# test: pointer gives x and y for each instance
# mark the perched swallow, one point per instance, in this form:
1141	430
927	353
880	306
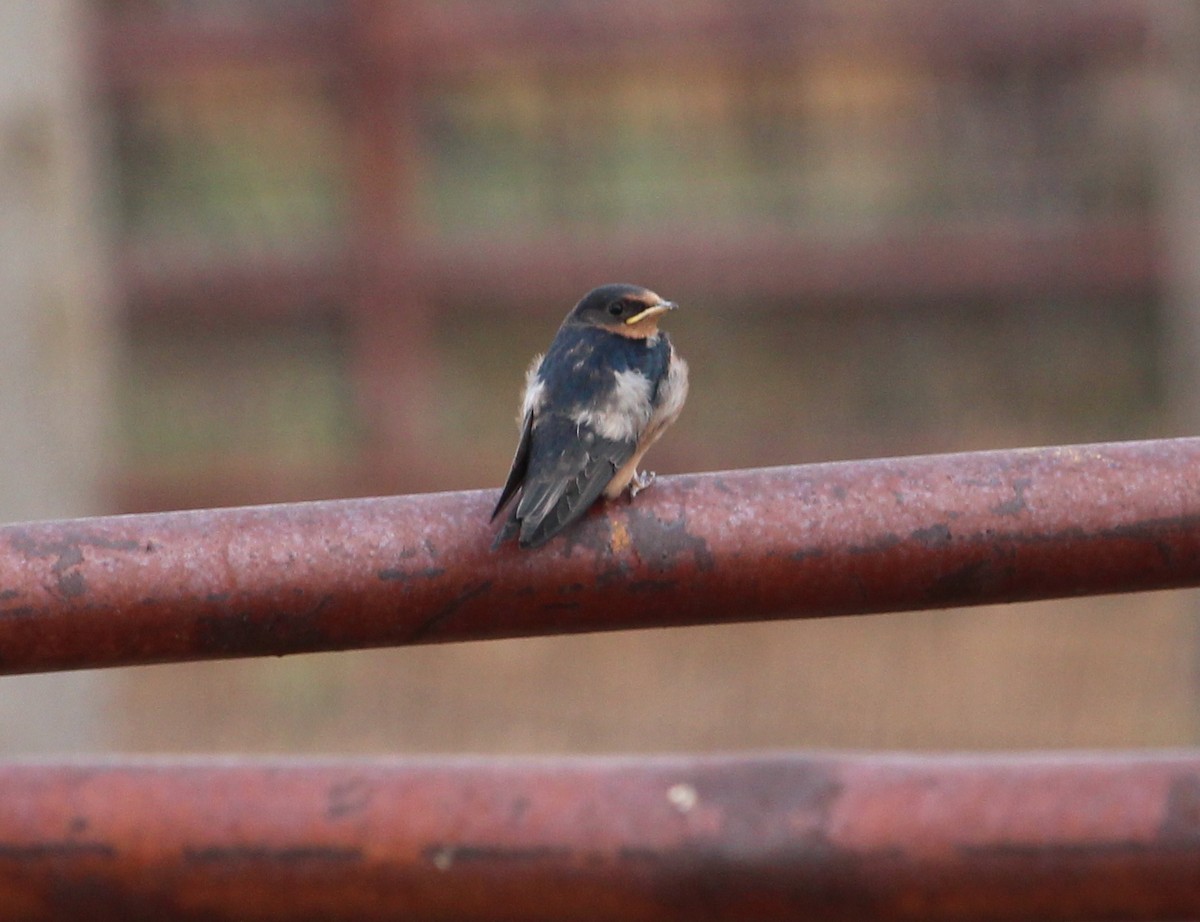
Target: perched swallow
607	387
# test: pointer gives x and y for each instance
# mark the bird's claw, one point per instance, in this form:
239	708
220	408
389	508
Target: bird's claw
640	481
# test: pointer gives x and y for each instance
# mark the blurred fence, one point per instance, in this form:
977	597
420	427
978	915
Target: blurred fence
360	168
767	838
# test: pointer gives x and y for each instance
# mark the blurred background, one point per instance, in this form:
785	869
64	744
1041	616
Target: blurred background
271	250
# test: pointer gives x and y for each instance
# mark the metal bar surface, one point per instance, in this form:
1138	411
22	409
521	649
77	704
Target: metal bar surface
792	542
775	837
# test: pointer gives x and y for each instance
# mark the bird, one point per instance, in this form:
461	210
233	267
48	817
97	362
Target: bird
606	389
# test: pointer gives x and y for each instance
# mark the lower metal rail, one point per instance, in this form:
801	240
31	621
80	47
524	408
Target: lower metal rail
1051	837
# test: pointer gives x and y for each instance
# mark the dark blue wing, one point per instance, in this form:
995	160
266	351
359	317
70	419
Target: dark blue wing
561	467
520	464
568	468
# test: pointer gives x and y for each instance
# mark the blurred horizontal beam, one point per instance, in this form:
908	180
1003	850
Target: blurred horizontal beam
161	289
945	262
1053	837
937	264
823	539
425	39
460	36
135	48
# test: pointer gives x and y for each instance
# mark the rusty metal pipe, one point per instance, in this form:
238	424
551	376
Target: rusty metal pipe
766	838
792	542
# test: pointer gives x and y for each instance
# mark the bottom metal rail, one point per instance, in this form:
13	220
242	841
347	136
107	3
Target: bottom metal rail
787	836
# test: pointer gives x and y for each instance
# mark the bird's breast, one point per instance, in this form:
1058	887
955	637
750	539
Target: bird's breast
672	392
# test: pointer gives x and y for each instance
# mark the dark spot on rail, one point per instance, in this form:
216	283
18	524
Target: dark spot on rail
663	542
70	555
780	816
67	552
39	851
617	572
933	536
448	611
1157	532
1017	504
392	574
6	594
348	797
72	585
1181	822
1034	853
18	611
427	546
270	633
968	581
806	553
445	856
1165	551
517	810
759	795
295	854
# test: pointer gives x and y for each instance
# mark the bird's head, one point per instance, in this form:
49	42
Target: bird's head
627	310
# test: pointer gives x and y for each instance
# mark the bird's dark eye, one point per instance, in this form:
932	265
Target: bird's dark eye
616	307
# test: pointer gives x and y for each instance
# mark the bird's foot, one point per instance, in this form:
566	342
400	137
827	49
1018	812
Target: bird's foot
641	480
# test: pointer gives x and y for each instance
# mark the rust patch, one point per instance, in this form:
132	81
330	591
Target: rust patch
67	552
244	633
620	541
661	542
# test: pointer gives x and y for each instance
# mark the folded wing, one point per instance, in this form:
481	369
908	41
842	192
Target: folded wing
567	466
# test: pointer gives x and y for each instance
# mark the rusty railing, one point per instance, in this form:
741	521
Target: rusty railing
788	836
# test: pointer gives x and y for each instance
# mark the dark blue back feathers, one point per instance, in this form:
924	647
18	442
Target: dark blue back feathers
581	361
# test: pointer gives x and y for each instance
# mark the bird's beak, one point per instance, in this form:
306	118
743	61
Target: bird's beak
654	310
